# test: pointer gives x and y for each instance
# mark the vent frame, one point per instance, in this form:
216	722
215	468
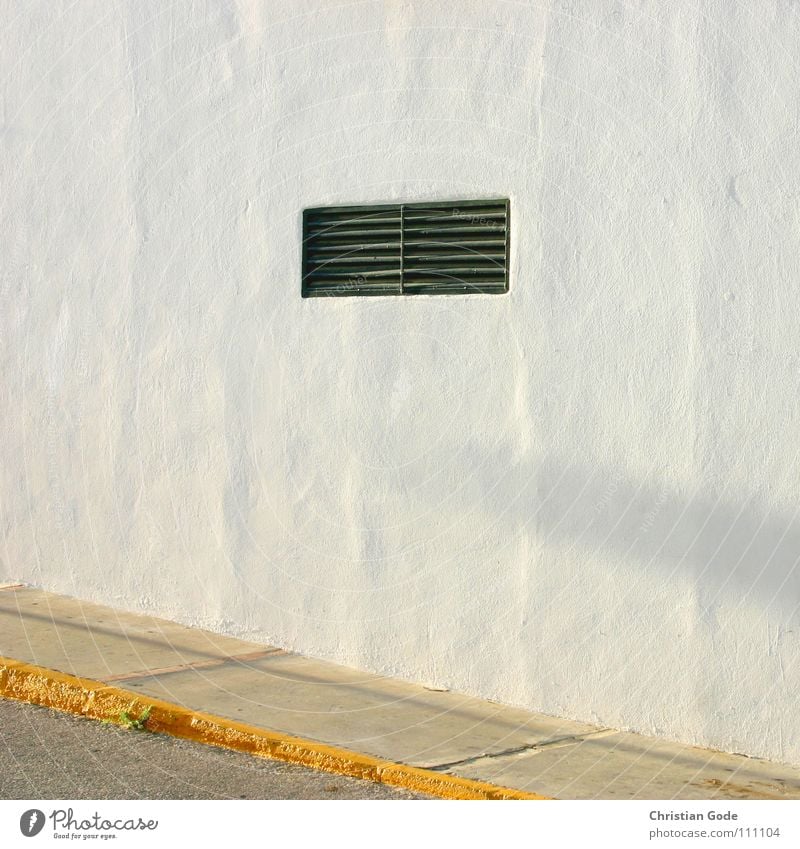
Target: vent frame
394	249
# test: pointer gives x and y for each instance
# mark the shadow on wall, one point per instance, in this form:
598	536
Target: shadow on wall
741	551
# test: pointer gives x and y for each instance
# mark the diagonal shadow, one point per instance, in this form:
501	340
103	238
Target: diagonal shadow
746	550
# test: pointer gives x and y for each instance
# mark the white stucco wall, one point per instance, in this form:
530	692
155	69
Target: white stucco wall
581	497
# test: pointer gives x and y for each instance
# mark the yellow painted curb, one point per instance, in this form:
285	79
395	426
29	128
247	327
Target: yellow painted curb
96	700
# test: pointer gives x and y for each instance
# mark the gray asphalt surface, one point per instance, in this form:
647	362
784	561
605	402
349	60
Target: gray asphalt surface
45	754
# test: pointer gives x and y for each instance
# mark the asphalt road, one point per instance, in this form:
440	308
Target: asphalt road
45	754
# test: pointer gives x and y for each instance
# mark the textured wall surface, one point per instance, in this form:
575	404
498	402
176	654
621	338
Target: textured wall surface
581	497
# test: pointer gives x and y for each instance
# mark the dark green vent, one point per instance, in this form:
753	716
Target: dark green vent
442	248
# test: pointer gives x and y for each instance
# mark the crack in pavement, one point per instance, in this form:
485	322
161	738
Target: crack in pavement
527	747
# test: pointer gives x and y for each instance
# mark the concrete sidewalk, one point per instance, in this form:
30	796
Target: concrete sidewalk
395	722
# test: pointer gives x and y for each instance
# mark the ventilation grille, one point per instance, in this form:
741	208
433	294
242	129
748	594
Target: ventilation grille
443	248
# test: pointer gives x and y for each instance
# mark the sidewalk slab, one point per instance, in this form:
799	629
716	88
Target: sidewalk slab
396	721
384	717
630	766
95	641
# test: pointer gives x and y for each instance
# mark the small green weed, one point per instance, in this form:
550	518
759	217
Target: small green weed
132	723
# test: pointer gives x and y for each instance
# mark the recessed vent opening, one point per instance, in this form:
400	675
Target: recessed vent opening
441	248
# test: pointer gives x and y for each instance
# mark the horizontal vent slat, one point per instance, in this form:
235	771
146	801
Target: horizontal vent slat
475	289
466	208
434	283
353	233
350	219
449	243
478	257
353	211
346	275
340	289
449	254
455	273
487	222
460	262
353	223
358	261
384	285
450	230
342	248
